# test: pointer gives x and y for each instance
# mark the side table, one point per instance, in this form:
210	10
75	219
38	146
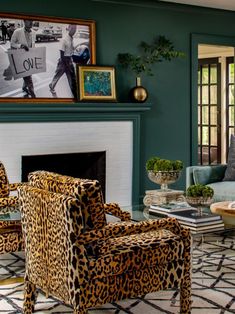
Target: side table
161	196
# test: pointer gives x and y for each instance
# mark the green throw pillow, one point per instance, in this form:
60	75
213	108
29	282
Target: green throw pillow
230	171
208	174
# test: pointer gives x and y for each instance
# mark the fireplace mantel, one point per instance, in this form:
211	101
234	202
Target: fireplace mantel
69	112
23	112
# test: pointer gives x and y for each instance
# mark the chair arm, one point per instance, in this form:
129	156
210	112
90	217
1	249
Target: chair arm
10	201
115	210
14	186
119	229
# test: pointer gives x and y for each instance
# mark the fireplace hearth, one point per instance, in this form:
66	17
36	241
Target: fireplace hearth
87	165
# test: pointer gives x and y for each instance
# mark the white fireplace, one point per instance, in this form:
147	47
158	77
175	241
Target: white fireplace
39	138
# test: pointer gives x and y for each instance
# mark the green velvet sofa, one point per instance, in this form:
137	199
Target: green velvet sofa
213	177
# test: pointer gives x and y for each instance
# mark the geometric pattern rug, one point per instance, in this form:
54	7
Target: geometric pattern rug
213	285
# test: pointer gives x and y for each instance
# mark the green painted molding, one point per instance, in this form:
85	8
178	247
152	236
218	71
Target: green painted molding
33	112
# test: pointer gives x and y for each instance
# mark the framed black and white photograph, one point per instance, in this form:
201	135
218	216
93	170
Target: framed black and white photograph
38	57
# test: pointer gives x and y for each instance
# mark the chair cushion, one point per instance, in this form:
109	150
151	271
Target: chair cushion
142	250
208	174
230	171
4	184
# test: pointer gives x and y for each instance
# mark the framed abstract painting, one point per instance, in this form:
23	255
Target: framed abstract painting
96	83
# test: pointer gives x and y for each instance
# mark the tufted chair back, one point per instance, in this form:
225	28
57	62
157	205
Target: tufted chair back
4	184
88	192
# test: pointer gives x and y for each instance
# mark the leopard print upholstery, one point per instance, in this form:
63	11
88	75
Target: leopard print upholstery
11	239
4	184
132	259
87	191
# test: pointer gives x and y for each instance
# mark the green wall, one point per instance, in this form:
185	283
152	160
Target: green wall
121	26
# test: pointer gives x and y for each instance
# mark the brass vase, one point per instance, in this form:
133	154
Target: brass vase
138	93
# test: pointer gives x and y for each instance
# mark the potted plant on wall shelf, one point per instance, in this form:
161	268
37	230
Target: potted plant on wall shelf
161	49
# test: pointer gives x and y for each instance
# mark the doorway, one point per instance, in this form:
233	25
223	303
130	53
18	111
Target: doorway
212	103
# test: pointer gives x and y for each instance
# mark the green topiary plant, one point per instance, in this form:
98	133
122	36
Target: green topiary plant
157	164
199	190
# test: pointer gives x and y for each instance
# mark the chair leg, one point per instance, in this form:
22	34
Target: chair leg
79	311
185	297
30	295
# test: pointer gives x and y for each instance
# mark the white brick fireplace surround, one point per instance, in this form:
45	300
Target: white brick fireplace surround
41	129
113	137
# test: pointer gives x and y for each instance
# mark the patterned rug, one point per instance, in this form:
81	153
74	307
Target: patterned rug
213	287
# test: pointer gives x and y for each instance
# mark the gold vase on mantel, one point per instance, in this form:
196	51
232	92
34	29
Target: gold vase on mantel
138	93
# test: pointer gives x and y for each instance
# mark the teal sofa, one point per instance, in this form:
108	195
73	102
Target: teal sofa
213	177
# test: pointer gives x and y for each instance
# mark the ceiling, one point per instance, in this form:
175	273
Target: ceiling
218	4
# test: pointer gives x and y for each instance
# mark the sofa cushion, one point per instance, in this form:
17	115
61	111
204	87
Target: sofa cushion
230	171
208	174
223	191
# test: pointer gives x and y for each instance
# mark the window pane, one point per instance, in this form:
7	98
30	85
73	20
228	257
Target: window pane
231	73
199	95
213	90
205	74
199	155
231	115
213	115
205	99
199	135
199	116
205	156
205	119
205	140
198	76
231	131
231	94
213	156
213	73
213	135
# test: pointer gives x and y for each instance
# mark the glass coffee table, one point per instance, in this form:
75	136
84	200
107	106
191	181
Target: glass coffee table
141	213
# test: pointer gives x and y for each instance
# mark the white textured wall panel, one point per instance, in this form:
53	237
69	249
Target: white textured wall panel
115	137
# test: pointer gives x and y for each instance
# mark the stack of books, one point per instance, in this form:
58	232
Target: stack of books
199	223
189	217
169	208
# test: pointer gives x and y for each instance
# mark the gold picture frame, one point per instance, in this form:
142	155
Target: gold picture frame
48	34
96	83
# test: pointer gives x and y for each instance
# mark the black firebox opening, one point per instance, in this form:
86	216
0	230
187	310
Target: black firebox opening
90	165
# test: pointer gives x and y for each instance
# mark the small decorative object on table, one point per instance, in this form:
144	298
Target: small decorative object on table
161	49
199	196
163	172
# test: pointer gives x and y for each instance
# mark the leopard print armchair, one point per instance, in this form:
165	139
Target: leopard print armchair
5	188
10	231
128	260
